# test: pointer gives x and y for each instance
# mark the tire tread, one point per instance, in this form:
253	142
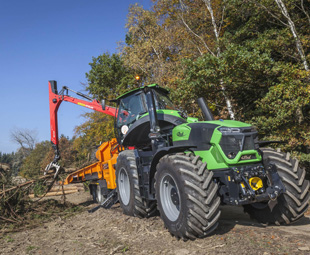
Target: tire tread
142	208
291	205
202	199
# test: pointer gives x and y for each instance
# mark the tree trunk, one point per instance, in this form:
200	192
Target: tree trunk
218	50
291	24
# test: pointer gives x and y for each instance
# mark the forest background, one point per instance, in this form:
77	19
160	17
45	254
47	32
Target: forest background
248	58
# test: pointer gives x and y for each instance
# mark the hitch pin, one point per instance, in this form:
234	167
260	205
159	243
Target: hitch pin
273	196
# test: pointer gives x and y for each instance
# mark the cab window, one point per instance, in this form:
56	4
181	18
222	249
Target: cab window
163	102
130	109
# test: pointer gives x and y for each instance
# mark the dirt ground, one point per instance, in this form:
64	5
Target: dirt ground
111	232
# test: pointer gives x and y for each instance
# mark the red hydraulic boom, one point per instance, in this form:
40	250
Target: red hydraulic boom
55	99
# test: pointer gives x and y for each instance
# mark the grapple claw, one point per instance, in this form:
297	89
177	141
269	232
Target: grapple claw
50	166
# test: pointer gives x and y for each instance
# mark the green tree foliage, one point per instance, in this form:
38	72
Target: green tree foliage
98	128
7	158
14	160
285	110
281	108
109	77
159	39
31	166
42	154
238	67
68	154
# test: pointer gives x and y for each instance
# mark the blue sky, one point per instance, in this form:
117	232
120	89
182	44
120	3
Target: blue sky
43	40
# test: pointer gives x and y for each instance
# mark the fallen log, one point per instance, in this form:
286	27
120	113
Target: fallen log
67	187
55	193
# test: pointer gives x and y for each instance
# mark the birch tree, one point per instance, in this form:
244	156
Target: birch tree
292	27
214	51
216	31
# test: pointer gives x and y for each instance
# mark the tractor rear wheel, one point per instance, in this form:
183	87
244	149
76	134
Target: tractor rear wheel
186	196
128	190
293	203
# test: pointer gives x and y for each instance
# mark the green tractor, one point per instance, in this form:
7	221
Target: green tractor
186	169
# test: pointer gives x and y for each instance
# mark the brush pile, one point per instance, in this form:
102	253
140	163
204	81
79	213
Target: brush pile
17	206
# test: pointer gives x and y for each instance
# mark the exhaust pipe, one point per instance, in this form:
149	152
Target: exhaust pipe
205	109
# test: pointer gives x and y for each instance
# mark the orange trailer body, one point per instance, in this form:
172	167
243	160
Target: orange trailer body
107	155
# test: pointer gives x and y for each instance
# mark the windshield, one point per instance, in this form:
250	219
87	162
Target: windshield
163	102
130	109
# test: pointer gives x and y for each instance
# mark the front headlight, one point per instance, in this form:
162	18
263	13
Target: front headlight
224	130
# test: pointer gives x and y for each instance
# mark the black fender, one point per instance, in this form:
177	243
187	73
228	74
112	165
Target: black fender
158	155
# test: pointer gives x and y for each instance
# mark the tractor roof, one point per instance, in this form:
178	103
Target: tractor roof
153	86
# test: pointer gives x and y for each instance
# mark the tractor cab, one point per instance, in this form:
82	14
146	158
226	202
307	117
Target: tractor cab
132	125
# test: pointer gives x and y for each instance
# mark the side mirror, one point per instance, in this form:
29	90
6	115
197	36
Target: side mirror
103	104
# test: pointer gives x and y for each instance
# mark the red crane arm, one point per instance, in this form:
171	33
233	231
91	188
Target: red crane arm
55	99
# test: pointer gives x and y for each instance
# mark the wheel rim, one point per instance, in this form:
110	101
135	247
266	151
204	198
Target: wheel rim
170	197
124	186
98	194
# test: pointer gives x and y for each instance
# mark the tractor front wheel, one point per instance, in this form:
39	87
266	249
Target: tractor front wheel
293	203
186	196
127	182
